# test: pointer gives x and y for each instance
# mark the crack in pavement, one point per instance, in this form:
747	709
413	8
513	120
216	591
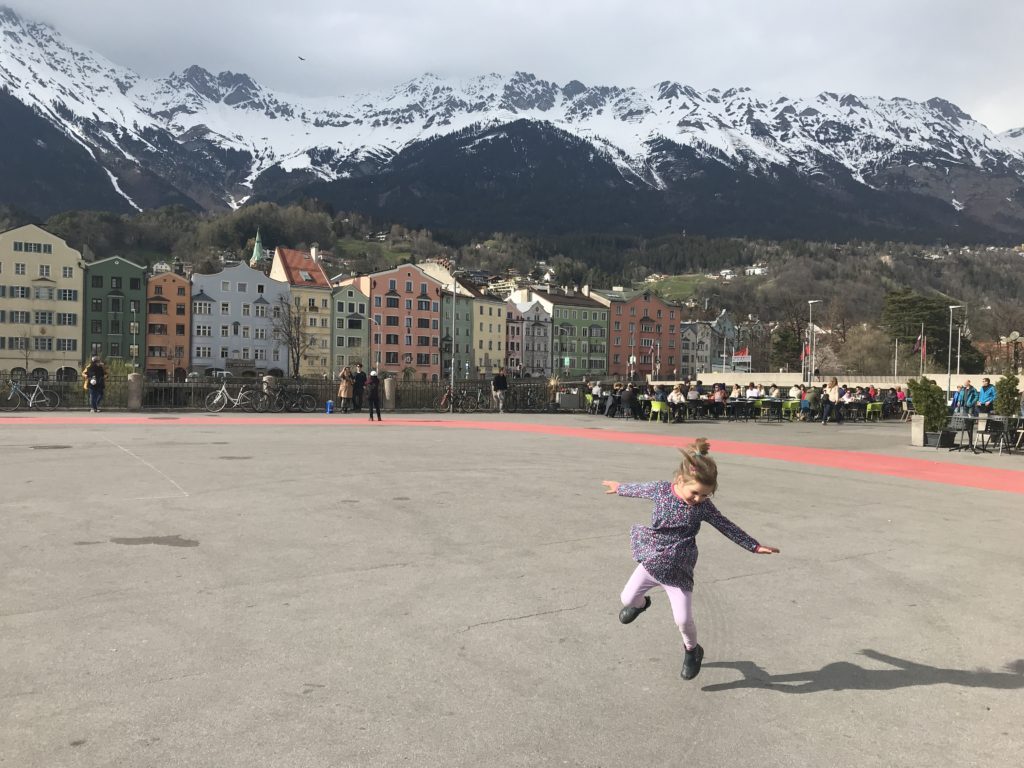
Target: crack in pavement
527	616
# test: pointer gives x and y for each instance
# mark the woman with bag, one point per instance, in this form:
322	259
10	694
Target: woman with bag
346	388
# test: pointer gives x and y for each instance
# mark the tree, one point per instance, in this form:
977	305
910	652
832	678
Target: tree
785	352
290	327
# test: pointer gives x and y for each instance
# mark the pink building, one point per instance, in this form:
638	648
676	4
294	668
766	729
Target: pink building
405	318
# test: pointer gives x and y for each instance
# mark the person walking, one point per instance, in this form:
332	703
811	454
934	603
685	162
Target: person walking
95	381
346	387
373	394
499	385
666	550
358	388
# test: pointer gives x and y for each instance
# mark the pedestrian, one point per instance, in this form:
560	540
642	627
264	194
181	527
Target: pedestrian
499	385
986	397
666	551
346	388
358	387
830	402
95	380
373	394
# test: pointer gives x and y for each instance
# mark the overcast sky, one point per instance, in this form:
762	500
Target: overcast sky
967	51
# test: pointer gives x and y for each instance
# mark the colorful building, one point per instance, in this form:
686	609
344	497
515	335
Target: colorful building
234	312
580	324
42	311
311	294
488	331
644	335
168	327
115	292
405	337
350	321
528	339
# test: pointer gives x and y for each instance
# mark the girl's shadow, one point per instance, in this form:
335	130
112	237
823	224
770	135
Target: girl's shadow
844	675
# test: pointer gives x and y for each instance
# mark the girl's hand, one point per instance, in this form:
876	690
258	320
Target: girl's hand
613	487
766	550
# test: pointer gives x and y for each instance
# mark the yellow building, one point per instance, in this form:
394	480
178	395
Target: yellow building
41	305
489	314
311	301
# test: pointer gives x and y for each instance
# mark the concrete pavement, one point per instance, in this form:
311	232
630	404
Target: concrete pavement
208	590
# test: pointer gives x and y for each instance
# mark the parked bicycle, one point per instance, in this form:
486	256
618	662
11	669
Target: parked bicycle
219	399
524	399
449	398
287	398
12	395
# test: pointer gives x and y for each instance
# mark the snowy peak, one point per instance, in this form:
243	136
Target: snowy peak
213	137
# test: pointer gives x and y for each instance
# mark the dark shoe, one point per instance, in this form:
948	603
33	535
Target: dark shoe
628	614
691	662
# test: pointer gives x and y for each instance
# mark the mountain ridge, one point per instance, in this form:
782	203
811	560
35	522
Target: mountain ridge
217	139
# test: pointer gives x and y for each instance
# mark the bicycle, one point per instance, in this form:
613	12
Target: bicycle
219	399
13	394
444	401
290	399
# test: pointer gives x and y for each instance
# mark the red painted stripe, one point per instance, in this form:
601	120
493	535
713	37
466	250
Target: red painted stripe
946	473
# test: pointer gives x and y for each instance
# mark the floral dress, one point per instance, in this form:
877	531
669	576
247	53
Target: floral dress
668	547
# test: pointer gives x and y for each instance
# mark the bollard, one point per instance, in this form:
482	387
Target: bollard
389	395
330	406
135	391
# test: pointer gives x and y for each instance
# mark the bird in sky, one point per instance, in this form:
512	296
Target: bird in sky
301	59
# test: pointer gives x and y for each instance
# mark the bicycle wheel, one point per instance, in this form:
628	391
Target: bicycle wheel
244	400
307	403
50	400
260	402
484	401
9	400
276	402
215	401
511	401
468	403
441	403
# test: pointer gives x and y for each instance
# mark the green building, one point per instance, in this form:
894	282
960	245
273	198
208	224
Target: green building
115	315
350	322
461	349
580	346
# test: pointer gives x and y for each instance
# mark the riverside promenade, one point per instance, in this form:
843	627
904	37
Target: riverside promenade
281	590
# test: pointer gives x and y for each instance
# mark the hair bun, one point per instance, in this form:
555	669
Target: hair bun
701	446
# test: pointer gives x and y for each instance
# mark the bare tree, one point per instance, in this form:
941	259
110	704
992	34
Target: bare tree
290	327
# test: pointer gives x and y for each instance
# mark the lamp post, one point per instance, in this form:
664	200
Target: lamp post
135	348
949	351
813	338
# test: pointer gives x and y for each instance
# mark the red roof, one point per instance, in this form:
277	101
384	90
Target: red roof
301	269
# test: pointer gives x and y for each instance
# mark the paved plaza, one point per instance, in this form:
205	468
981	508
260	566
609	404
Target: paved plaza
210	590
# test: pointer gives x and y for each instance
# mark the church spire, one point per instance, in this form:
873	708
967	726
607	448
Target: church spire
259	258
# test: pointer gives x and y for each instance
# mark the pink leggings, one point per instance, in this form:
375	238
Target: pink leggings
641	582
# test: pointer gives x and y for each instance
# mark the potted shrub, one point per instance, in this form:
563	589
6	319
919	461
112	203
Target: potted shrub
553	383
1007	396
932	413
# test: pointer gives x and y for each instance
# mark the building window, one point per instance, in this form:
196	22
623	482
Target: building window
243	287
135	284
225	308
96	281
67	272
181	290
115	283
225	286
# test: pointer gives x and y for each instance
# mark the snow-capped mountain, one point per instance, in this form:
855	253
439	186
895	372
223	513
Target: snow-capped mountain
671	154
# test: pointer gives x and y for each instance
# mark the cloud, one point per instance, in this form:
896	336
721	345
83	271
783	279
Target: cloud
912	48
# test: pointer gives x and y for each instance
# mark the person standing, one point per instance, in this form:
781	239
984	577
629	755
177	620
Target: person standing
831	402
358	387
95	381
969	401
346	388
373	394
499	386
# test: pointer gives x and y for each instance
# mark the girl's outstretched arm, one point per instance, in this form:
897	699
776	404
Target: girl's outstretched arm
729	529
633	490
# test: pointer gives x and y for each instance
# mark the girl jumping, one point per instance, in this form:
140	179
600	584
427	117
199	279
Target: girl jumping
666	551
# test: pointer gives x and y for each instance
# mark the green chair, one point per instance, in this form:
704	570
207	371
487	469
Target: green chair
873	412
790	409
658	408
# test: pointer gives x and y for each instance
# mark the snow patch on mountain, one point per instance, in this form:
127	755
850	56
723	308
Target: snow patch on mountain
111	109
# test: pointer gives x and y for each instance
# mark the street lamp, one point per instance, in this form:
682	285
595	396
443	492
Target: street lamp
949	351
135	346
813	338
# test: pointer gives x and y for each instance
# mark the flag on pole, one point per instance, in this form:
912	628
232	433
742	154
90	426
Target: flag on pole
917	344
806	351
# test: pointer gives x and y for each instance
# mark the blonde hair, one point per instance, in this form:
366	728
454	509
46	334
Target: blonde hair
697	465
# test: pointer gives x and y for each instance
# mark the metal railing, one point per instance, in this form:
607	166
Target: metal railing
190	395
